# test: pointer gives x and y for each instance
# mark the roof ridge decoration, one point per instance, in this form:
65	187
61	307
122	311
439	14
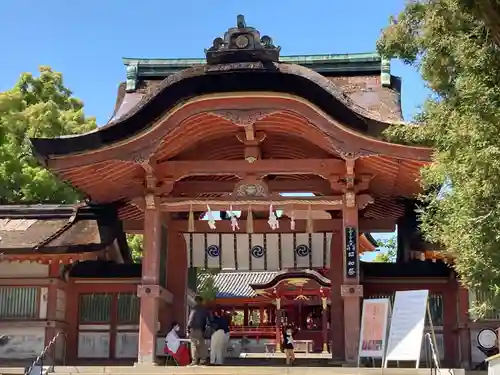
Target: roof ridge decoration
242	44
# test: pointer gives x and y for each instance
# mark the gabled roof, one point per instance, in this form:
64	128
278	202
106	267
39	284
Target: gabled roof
59	229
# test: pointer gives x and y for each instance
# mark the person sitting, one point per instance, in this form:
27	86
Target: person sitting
175	347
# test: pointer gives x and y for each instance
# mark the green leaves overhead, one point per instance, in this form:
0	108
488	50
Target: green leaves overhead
460	63
36	107
391	250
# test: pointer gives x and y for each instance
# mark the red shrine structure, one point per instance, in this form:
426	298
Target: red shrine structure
231	132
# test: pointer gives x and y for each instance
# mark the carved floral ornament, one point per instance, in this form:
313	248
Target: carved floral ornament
243	117
251	187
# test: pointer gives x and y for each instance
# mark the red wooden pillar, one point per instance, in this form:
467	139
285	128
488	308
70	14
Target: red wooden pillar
245	315
324	323
278	324
336	301
177	266
351	290
72	302
149	291
450	320
463	329
53	320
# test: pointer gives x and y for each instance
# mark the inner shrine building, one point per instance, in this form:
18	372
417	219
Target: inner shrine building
193	139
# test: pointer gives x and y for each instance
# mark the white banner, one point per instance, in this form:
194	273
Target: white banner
373	335
407	326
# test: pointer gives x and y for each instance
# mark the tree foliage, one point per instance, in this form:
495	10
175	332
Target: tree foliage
206	287
40	106
458	60
135	244
390	247
36	107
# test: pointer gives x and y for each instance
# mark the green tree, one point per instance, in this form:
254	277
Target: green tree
39	106
390	247
36	107
455	53
207	288
135	242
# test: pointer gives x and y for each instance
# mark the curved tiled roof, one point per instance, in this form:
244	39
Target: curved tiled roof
232	284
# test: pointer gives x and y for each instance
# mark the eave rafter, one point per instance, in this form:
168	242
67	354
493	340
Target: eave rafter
341	138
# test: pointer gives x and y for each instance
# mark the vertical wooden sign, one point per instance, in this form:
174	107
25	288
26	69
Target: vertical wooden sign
351	255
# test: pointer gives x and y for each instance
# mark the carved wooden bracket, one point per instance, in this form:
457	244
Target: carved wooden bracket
364	200
165	187
363	183
337	183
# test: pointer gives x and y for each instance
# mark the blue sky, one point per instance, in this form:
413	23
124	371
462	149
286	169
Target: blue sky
86	40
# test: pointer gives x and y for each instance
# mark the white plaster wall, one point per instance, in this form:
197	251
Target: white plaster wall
60	347
21	343
23	269
61	304
93	345
127	344
44	300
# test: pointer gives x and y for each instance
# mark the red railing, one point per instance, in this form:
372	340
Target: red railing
253	330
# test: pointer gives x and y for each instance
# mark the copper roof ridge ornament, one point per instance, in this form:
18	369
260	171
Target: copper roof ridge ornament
242	44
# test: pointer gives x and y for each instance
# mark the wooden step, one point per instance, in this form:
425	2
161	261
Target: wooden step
242	370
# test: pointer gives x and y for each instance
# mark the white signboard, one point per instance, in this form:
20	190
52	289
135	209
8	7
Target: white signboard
374	320
407	326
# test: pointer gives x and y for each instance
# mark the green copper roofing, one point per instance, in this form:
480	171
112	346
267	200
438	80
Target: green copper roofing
348	64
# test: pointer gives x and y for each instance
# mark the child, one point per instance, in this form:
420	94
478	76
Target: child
288	344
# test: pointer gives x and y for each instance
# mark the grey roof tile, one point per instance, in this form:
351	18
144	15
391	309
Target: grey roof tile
237	284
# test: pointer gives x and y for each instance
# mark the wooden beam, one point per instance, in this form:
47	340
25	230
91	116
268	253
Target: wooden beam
261	226
324	203
241	168
193	188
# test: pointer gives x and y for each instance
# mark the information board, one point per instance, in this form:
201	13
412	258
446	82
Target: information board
407	326
374	321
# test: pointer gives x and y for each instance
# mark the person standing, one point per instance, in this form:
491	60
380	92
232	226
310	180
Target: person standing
218	342
288	344
198	322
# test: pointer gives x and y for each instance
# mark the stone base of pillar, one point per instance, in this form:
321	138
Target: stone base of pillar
350	364
146	362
